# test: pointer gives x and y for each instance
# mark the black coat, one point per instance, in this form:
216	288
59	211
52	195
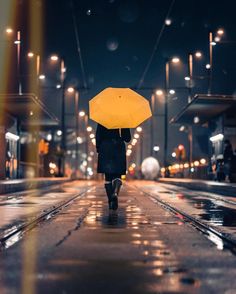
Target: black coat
111	150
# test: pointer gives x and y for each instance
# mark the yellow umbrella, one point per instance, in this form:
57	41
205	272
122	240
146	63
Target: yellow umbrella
117	108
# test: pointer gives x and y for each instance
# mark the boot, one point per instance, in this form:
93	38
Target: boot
109	191
116	185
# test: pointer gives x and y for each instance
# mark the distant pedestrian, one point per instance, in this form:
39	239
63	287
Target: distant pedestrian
112	159
228	154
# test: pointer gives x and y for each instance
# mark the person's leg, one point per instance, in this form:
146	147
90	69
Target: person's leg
109	188
116	185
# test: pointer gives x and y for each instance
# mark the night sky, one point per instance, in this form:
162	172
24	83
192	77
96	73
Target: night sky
117	38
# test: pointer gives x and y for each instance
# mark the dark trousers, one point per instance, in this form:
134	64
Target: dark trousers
111	177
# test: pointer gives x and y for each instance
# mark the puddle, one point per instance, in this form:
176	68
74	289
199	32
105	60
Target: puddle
215	214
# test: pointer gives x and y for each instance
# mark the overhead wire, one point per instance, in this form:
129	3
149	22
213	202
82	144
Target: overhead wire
76	31
156	45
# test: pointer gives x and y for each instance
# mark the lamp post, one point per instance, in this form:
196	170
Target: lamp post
210	63
55	58
174	60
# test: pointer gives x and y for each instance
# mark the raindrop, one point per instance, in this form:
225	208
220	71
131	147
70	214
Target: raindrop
112	44
89	12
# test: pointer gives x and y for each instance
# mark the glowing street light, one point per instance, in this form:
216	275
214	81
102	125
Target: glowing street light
9	31
220	32
198	54
71	90
42	77
30	54
175	60
168	21
159	92
54	58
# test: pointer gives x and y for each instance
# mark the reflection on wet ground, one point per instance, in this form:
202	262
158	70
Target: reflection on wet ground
214	211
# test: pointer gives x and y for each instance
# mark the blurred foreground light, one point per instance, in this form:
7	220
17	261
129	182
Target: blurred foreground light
49	137
92	136
198	54
208	66
136	136
182	128
159	92
31	113
58	86
59	133
186	165
42	77
168	21
213	43
9	31
139	129
79	140
94	141
173	154
196	163
89	129
133	165
17	42
156	148
30	54
150	168
187	78
196	119
81	113
217	39
216	138
220	32
203	161
129	146
11	136
172	92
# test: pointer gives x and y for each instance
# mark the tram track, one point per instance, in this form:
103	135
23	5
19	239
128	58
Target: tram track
221	240
15	232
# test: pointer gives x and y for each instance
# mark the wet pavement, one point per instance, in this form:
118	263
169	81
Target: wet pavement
21	207
214	210
141	248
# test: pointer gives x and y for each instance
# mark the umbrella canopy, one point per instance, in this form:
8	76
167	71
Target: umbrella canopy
117	108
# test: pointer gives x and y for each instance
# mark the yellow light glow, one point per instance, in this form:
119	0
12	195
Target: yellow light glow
203	161
196	163
139	129
9	31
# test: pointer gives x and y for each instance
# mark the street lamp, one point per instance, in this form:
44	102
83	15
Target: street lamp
174	60
56	58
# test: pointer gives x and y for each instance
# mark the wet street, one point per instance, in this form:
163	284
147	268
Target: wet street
162	239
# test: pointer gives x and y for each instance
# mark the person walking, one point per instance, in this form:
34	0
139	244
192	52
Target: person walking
110	145
228	154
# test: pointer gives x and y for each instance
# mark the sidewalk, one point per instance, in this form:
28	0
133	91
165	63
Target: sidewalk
11	186
227	189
